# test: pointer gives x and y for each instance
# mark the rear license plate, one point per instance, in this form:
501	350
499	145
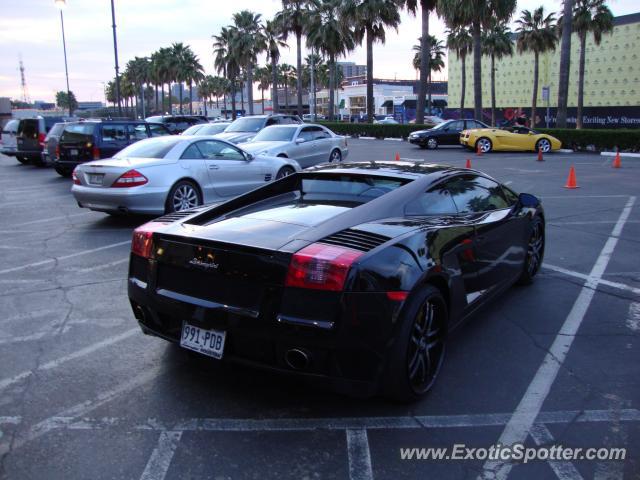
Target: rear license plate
96	178
73	152
207	342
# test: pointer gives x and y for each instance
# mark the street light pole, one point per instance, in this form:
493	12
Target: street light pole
61	4
115	52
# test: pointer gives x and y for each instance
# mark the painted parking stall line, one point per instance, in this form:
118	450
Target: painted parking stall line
161	457
522	420
359	454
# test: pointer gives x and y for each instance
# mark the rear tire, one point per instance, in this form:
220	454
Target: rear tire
22	160
485	145
414	362
335	156
432	143
535	253
63	172
182	196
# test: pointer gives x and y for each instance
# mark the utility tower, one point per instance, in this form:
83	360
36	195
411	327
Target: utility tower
23	83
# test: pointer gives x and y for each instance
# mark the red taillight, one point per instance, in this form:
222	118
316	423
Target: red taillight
57	151
74	177
321	267
142	241
131	178
95	152
41	137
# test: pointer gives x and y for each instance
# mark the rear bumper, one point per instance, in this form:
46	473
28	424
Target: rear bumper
139	200
343	358
31	155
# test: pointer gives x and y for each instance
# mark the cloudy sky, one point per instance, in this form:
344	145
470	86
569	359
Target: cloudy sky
31	29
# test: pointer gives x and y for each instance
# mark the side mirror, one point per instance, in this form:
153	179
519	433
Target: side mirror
300	140
530	133
528	200
248	156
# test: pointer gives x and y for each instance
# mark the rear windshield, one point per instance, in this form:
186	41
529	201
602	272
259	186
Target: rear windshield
56	129
28	128
11	126
157	119
78	132
213	129
192	130
347	188
151	148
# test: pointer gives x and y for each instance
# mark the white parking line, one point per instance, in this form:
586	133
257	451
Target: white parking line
72	356
568	196
633	319
582	276
64	257
608	222
519	426
52	219
564	470
161	457
359	455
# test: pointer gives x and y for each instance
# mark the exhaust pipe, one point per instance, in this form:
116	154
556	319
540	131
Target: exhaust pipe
297	359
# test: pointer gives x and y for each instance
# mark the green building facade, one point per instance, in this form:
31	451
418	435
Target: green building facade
612	73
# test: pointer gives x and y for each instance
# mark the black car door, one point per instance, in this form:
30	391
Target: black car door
451	134
499	250
451	243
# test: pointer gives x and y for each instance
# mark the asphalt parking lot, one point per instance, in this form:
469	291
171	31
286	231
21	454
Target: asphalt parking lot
84	394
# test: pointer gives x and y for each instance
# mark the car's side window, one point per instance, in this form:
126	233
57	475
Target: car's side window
271	121
137	132
510	195
157	131
306	133
436	201
114	133
320	134
476	194
459	125
213	150
192	153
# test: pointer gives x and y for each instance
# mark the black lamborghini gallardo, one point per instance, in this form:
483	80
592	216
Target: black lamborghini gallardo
350	273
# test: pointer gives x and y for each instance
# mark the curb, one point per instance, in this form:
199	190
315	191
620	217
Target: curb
622	154
394	139
565	150
367	138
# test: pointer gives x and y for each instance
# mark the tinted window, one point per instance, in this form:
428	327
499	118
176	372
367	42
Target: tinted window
157	119
247	124
275	134
459	125
28	128
192	152
56	129
78	132
348	187
510	195
473	194
321	133
114	133
137	132
473	124
158	130
436	201
150	148
308	133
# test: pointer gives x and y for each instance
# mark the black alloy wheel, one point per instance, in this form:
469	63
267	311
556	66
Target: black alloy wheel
535	253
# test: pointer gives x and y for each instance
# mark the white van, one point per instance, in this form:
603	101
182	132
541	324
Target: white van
8	145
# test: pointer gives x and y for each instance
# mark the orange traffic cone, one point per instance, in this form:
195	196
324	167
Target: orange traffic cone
571	180
540	157
397	156
616	161
478	151
468	165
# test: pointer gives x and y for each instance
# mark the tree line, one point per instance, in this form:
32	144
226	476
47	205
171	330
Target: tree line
333	28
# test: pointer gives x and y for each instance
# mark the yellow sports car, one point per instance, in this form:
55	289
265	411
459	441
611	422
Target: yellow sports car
508	139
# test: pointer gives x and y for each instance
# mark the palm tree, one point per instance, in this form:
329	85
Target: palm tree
206	90
163	59
496	42
589	16
284	77
475	14
426	7
565	65
435	58
292	19
263	77
248	43
537	34
225	62
193	73
369	18
274	42
179	64
459	40
330	36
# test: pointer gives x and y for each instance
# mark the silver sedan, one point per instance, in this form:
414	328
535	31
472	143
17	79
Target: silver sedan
173	173
308	144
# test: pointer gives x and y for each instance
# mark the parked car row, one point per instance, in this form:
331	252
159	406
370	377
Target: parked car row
119	167
478	136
